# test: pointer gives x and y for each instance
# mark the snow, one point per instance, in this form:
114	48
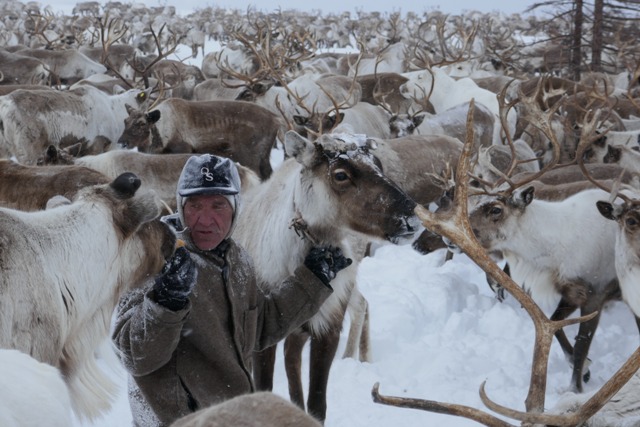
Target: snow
438	332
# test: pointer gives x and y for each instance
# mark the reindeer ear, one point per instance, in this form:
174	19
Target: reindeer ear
298	147
153	116
52	153
418	119
606	209
126	185
522	198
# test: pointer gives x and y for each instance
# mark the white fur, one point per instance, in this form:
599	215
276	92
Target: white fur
66	268
365	118
449	92
568	239
33	394
275	202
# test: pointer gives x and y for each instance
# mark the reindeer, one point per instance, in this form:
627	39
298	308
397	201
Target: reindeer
159	172
31	120
454	224
362	118
240	130
312	193
68	66
68	293
20	69
448	122
627	245
261	409
444	92
536	254
29	188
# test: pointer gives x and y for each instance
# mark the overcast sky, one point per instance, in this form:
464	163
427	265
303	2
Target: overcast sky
334	6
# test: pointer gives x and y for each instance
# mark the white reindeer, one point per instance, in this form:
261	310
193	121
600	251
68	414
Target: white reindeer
627	246
554	261
448	92
59	287
322	191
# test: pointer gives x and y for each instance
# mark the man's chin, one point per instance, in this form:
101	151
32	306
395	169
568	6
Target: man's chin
205	243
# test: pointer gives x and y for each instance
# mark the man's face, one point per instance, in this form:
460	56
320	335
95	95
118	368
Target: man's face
209	218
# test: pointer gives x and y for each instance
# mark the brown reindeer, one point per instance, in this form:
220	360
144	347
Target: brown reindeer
29	188
324	190
159	172
262	409
241	131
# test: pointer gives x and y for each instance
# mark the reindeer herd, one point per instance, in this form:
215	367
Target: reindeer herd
423	118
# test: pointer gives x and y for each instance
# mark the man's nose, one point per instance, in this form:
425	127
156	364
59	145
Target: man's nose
206	218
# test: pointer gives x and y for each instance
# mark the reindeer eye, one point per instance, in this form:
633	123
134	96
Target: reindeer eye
340	176
631	222
495	210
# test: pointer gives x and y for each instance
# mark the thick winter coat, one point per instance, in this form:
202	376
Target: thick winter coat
185	360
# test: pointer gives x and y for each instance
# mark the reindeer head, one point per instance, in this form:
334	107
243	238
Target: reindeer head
493	217
627	215
137	128
347	189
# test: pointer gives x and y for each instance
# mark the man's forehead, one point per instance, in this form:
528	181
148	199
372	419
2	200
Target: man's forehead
207	198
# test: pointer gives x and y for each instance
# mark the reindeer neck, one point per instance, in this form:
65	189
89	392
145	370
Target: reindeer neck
156	144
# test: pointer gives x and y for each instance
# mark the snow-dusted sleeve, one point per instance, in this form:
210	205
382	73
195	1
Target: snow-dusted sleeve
146	333
294	302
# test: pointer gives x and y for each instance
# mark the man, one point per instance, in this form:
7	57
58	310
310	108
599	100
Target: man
187	337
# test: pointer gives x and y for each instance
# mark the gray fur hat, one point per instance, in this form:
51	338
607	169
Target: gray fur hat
209	174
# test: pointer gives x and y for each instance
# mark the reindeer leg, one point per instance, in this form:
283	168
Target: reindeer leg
323	350
293	345
595	302
562	311
358	313
263	367
365	339
581	349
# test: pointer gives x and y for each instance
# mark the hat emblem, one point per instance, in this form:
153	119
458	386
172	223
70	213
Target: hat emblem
208	176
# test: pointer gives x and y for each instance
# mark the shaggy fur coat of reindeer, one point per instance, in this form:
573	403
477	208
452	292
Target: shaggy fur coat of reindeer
58	309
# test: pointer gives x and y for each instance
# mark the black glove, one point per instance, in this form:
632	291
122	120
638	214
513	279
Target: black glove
173	286
325	262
